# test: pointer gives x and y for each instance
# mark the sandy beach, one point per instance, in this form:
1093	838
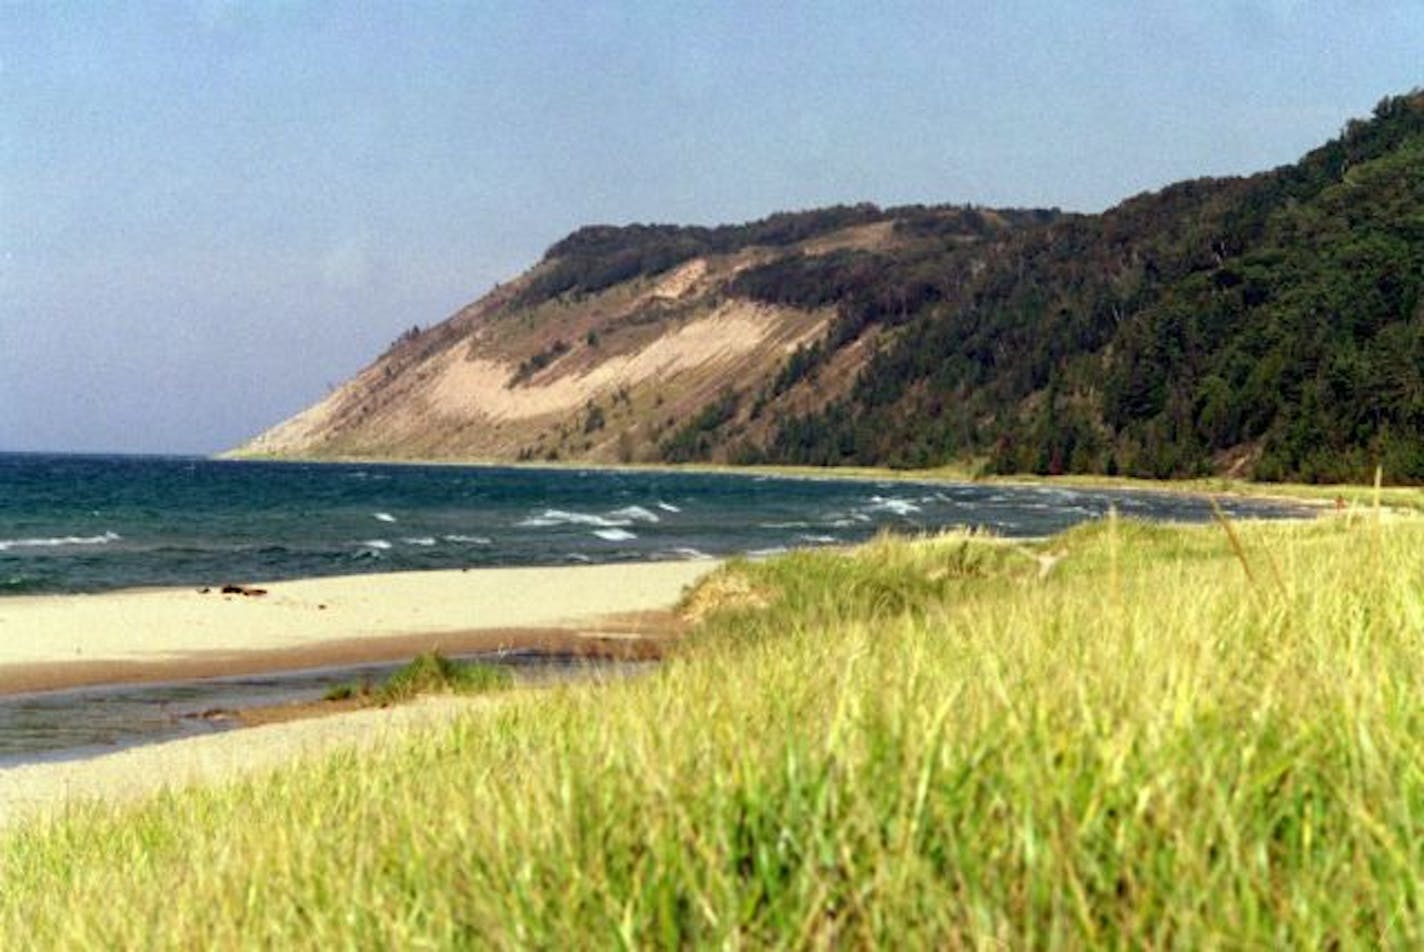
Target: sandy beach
51	642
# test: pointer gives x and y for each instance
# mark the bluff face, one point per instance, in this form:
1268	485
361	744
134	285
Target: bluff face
626	344
1268	326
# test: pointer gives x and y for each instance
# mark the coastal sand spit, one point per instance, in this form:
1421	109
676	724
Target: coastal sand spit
58	641
68	640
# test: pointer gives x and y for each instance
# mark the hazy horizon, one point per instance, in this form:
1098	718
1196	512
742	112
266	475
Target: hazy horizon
210	212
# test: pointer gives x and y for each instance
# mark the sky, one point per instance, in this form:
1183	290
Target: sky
212	212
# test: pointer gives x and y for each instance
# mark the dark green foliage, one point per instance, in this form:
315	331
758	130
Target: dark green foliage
433	673
428	673
695	439
601	256
538	362
593	420
1278	317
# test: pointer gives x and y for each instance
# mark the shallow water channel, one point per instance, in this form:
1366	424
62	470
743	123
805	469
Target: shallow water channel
86	722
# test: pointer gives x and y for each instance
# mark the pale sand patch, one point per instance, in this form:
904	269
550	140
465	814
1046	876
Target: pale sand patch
36	790
463	385
168	624
681	280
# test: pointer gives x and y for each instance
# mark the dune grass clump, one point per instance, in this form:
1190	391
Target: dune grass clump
427	673
925	744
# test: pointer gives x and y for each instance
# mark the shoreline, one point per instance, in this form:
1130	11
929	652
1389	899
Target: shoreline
54	642
965	473
581	642
34	791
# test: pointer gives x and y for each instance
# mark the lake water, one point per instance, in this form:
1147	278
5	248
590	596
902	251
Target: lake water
90	523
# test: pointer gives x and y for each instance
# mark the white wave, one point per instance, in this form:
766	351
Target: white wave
900	507
614	535
562	517
385	517
467	539
767	553
783	525
688	552
56	541
419	540
634	513
376	544
818	539
577	557
668	507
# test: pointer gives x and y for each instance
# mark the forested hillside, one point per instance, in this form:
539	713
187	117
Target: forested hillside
1272	326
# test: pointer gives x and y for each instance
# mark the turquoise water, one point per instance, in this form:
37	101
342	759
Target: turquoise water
92	523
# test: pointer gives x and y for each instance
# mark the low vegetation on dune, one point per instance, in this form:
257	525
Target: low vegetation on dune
1125	735
428	673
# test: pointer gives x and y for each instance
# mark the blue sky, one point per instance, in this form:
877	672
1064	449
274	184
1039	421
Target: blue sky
212	211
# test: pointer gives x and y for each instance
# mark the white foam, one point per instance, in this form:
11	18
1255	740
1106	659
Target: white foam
376	544
784	525
819	539
614	535
467	539
57	541
688	552
900	507
562	517
419	540
634	513
767	553
668	507
385	517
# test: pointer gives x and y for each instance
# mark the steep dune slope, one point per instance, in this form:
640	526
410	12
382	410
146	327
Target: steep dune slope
604	351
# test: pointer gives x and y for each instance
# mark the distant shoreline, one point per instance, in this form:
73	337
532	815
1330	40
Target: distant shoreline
967	473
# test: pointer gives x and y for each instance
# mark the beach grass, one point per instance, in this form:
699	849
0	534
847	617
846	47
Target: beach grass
427	673
1125	735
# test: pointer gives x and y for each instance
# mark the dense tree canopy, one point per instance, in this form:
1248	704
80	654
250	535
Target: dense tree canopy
1275	323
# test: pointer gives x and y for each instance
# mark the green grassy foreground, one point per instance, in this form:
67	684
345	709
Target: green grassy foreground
1186	737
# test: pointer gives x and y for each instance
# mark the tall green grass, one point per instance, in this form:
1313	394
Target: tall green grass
917	744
